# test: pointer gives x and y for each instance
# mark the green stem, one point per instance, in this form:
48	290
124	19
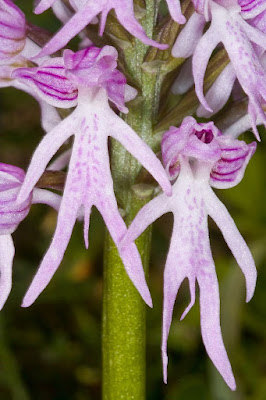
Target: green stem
124	324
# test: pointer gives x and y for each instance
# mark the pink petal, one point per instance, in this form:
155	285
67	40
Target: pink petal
7	252
43	6
184	80
210	325
43	196
251	8
234	240
230	168
188	38
51	142
49	116
67	215
201	56
172	281
125	15
153	210
49	82
78	22
219	92
175	11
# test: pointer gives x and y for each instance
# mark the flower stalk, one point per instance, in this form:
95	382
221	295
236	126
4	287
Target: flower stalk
124	317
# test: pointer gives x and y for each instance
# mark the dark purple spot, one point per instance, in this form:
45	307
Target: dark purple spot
206	135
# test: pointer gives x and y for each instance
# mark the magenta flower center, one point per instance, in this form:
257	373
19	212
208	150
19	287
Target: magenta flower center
206	135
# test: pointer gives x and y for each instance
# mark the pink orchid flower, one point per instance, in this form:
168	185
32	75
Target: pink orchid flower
232	23
198	156
237	35
87	10
88	78
11	214
15	51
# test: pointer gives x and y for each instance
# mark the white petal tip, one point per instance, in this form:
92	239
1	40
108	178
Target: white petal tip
232	384
25	304
149	302
182	20
147	298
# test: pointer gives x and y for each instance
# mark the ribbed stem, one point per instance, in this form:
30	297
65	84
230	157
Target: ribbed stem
123	337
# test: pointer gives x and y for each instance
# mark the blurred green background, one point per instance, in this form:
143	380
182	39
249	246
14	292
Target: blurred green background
52	350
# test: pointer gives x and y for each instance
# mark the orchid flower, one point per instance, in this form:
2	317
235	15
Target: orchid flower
11	214
199	156
15	51
87	78
229	27
221	90
173	5
87	11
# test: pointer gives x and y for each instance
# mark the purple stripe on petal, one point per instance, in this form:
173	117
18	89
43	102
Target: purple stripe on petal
12	29
11	213
232	163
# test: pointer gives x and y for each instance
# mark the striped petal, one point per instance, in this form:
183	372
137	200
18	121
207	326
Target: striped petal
50	83
12	30
230	168
251	8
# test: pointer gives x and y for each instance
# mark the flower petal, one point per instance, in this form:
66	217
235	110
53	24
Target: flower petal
175	11
50	83
78	22
7	252
230	168
219	92
200	59
234	240
210	325
125	15
172	281
45	151
240	126
184	80
43	196
43	5
188	38
153	210
71	202
251	8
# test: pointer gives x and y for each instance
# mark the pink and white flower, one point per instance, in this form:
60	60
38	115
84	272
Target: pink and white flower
88	78
11	214
198	157
87	10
